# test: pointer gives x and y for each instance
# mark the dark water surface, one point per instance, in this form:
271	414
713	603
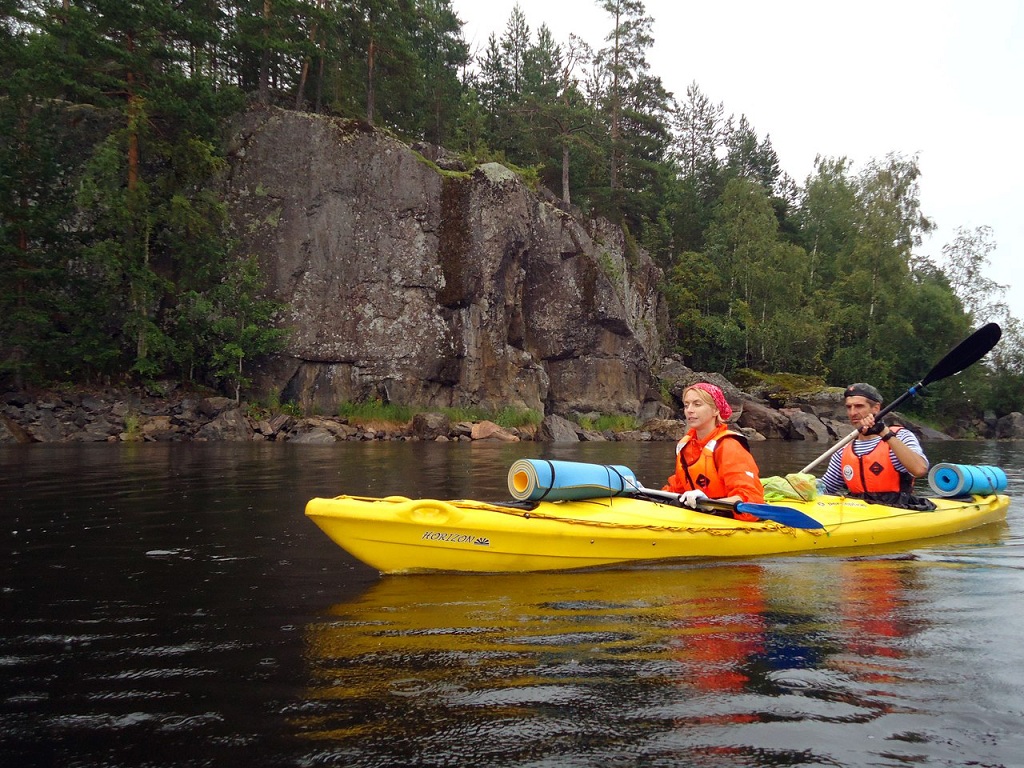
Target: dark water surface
170	605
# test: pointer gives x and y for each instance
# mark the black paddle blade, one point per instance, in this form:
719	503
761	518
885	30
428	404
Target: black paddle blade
966	353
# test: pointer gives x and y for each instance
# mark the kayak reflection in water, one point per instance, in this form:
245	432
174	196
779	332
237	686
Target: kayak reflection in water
707	643
756	635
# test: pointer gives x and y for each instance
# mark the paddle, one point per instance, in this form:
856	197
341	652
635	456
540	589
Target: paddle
794	518
966	353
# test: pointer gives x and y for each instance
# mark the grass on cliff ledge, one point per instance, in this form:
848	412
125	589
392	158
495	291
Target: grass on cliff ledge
779	386
369	413
374	414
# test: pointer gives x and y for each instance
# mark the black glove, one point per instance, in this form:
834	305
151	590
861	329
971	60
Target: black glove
876	428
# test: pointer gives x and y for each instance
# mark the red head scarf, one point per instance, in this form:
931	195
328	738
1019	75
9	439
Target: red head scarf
724	409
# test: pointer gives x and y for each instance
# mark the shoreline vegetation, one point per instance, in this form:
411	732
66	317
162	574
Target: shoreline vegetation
170	412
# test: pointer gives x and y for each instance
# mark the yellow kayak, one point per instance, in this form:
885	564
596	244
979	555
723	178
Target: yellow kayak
401	535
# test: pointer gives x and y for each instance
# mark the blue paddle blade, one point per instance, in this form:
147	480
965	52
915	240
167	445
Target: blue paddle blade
794	518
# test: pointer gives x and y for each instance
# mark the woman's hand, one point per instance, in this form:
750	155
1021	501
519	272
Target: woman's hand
691	498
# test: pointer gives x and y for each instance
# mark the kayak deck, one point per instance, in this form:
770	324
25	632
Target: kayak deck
401	535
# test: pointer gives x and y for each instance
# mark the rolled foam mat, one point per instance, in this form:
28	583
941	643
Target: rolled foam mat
537	479
964	479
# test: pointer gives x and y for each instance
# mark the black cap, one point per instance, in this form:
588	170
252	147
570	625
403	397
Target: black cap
864	390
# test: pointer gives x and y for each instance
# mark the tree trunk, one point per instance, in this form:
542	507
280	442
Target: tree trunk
133	115
264	86
565	173
133	139
616	108
369	82
320	86
300	92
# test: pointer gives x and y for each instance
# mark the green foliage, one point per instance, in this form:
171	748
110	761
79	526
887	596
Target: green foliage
787	383
34	249
614	422
148	245
517	417
506	417
269	405
964	261
374	411
114	257
240	326
379	411
132	428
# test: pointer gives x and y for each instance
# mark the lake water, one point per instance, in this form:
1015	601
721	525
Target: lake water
170	605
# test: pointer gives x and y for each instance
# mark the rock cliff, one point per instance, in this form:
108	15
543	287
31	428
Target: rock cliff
435	288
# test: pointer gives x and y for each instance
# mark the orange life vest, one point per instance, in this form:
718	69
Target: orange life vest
703	473
874	472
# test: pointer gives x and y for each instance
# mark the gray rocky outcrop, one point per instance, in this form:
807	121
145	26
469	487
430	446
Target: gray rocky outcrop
555	429
229	424
764	420
665	429
806	426
488	430
431	425
1010	426
12	432
411	284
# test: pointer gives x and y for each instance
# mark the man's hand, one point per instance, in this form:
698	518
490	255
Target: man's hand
868	425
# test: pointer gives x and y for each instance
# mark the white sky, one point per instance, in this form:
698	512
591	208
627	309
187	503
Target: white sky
943	79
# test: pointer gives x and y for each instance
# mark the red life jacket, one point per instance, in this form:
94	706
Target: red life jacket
703	474
874	472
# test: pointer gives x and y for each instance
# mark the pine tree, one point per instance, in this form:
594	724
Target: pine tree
625	60
36	244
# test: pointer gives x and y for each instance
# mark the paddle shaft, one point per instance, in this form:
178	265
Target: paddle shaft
966	353
785	515
643	490
703	505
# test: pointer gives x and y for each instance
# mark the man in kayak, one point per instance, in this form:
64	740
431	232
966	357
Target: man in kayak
712	461
881	462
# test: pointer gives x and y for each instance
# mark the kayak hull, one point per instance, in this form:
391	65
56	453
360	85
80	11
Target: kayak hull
401	535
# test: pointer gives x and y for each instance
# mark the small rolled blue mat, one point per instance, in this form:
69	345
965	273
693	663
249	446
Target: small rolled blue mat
537	479
965	479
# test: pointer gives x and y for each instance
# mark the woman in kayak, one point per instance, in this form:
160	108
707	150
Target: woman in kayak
712	461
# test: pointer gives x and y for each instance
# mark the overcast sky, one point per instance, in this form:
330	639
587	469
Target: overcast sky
943	79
